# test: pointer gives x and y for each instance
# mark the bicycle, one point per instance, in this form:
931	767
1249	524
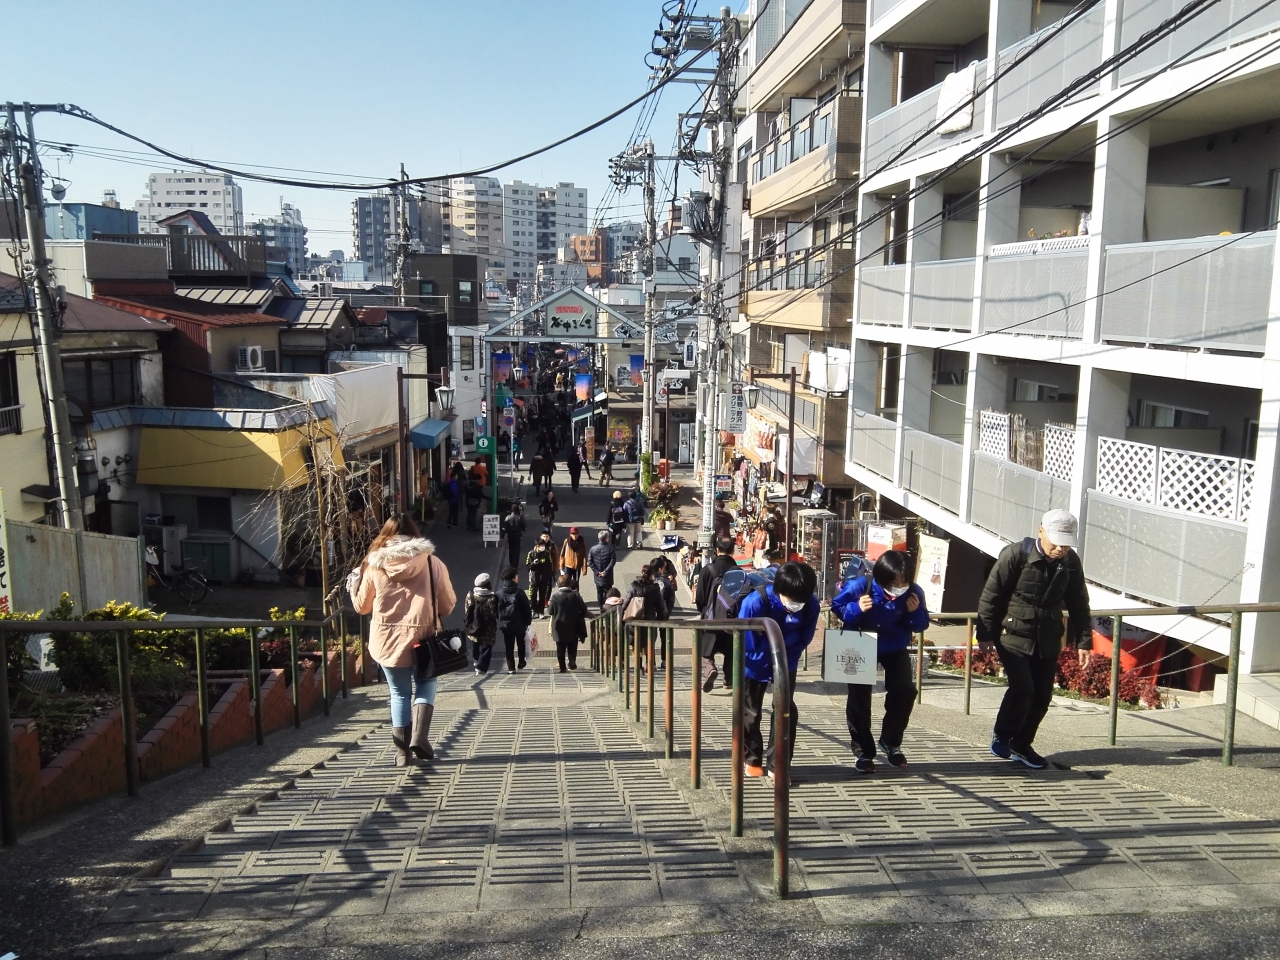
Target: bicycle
189	584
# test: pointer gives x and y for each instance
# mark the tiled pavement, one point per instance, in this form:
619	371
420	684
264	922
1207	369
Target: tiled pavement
545	796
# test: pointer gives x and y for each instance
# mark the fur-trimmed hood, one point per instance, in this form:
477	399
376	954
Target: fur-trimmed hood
402	556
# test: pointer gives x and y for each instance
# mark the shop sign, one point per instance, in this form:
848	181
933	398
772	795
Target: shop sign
736	411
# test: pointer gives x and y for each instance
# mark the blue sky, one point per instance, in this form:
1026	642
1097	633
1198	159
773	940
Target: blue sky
346	88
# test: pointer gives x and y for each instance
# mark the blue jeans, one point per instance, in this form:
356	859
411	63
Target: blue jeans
401	682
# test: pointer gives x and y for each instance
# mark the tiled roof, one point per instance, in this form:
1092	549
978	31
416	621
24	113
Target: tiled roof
85	315
228	296
182	308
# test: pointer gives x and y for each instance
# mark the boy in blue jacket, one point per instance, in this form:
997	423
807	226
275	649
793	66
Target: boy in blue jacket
889	605
791	602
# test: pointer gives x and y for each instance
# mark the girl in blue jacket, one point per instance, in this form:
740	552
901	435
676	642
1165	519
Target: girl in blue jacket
889	605
792	603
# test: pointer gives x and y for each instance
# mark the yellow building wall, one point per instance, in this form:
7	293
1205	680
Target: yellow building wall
234	459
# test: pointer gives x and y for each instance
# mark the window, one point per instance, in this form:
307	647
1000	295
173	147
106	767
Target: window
464	291
198	513
467	353
1031	390
98	384
10	411
1166	415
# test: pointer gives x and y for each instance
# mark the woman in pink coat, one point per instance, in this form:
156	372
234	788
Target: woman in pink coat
407	589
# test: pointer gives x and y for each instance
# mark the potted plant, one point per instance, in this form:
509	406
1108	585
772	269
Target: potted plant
663	518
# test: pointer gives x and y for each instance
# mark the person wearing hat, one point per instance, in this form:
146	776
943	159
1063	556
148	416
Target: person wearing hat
1021	610
616	517
573	557
480	621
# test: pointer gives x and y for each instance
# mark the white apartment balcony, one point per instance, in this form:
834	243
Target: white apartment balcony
889	132
1036	288
1137	18
1168	525
824	32
815	154
1205	292
1070	54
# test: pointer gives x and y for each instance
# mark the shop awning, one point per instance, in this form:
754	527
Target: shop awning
582	413
428	434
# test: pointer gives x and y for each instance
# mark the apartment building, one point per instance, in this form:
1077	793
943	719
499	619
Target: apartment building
473	222
519	226
371	234
1082	316
217	196
285	235
561	213
797	156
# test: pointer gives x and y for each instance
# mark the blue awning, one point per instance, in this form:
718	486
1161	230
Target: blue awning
428	434
582	413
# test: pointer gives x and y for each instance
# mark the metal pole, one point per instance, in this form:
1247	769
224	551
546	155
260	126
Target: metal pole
791	463
64	455
202	692
669	692
293	676
648	632
920	668
1233	690
402	435
782	694
127	713
968	664
637	675
324	668
342	664
624	675
8	801
736	754
1117	629
695	715
255	687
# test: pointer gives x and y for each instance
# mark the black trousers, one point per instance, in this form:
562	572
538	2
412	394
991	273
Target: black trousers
514	640
574	476
471	516
453	513
513	553
899	698
483	654
601	590
567	651
539	593
1027	699
719	642
753	749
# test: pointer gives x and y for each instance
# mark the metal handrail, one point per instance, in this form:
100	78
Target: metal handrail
782	694
128	711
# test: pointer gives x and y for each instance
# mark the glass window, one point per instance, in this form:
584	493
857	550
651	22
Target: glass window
464	291
467	353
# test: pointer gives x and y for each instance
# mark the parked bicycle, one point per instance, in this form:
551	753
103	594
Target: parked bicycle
189	584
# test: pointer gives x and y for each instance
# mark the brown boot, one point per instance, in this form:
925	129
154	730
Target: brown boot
400	737
421	743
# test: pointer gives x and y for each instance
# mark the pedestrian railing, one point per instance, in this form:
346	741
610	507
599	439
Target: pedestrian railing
121	629
1236	611
616	651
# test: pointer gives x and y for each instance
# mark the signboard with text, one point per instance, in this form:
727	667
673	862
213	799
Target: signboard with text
491	528
735	418
571	314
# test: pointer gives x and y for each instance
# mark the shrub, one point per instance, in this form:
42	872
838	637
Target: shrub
646	470
663	493
1093	680
17	660
984	663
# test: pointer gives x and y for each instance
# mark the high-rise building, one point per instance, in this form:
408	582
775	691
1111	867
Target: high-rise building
215	195
519	223
473	222
371	233
285	233
561	213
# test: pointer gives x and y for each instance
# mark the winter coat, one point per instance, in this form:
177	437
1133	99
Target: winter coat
888	617
717	568
568	612
514	612
541	564
573	556
722	523
394	587
482	596
1025	596
654	608
475	493
548	508
797	632
635	511
452	493
668	596
601	559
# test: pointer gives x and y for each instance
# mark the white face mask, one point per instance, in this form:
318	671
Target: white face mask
896	591
795	606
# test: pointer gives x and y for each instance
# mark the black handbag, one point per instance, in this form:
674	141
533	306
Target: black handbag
434	653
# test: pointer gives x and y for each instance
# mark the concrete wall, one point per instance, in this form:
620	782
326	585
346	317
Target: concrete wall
225	343
92	567
1228	407
23	458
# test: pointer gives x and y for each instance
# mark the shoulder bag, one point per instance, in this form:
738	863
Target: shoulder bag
440	651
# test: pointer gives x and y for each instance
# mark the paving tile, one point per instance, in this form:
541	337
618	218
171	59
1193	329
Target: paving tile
159	899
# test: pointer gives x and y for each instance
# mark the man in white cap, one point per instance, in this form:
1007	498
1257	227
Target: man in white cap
1021	609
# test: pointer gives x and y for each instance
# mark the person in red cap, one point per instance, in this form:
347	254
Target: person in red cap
573	557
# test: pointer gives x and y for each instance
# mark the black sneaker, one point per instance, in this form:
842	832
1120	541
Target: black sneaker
709	676
1030	758
1000	748
894	755
865	764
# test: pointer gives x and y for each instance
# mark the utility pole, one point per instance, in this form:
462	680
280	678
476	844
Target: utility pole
650	256
402	235
71	511
720	118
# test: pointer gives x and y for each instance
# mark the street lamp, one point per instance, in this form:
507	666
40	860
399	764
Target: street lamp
444	396
752	395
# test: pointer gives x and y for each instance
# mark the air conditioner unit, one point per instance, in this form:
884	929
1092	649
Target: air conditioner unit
249	358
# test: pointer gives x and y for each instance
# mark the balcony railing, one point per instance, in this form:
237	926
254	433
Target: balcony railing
883	294
1049	449
1180	480
11	419
1009	499
1036	294
1070	54
931	467
880	7
1249	17
815	152
942	294
198	255
1205	292
875	443
890	131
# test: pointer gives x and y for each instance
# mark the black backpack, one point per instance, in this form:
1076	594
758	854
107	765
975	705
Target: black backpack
482	617
508	606
729	590
618	514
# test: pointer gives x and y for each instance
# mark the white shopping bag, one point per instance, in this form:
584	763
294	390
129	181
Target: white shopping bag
849	656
